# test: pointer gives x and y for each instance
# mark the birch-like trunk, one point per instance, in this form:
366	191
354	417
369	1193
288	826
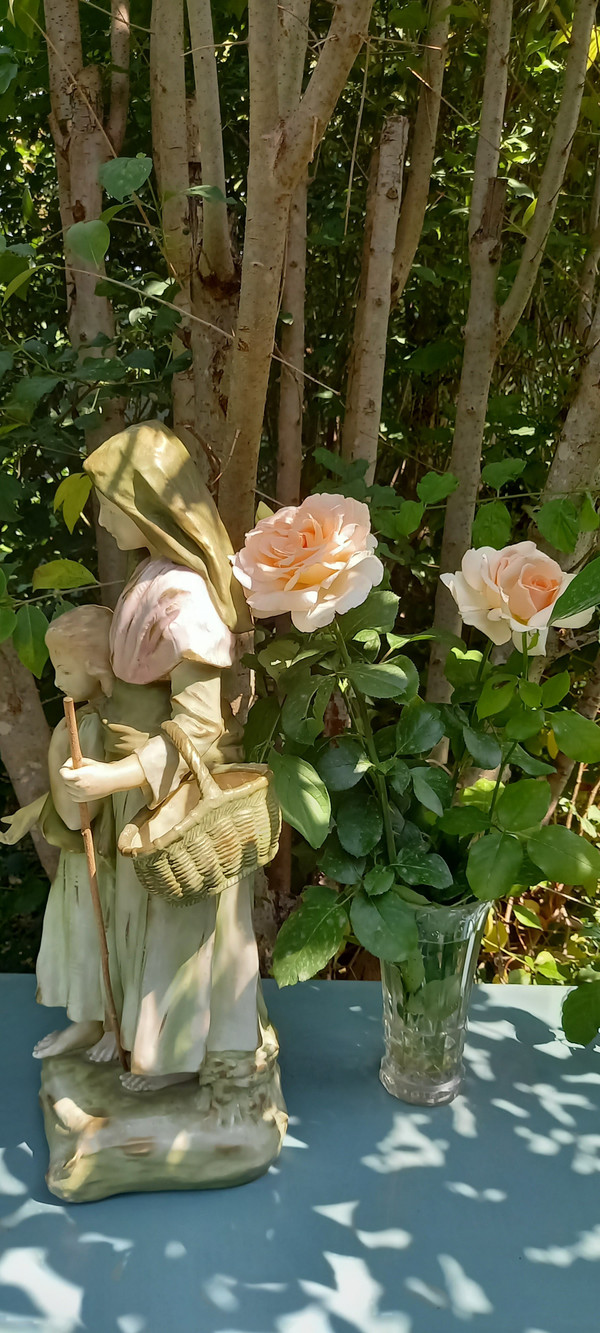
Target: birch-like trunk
575	466
170	154
279	156
84	139
293	40
360	435
291	383
214	273
416	193
590	266
478	366
481	343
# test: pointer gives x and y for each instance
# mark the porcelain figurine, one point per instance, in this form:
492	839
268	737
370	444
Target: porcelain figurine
68	966
201	1103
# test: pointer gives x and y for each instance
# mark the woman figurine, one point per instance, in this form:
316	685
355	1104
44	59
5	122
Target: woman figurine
189	975
68	967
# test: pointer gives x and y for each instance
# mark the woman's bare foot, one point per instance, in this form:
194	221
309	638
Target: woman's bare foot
152	1083
74	1037
104	1050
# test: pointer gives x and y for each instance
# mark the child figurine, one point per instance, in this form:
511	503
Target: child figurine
68	966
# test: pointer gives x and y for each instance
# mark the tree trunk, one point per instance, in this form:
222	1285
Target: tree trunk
24	741
279	157
414	203
82	144
293	40
590	266
214	274
170	152
575	467
472	406
291	383
360	436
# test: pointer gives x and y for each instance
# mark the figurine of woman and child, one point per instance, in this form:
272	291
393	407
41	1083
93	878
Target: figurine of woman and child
185	978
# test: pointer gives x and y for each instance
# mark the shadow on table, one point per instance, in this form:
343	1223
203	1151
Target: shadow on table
378	1217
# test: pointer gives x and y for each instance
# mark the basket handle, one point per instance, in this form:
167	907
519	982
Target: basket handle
209	788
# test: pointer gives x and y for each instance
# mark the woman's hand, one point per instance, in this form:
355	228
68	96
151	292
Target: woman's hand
93	780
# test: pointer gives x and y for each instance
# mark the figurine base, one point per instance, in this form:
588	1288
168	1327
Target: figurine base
223	1129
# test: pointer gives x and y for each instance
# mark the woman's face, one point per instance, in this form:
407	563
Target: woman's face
125	532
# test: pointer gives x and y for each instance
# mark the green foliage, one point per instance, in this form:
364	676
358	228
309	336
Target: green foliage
29	638
89	241
384	925
61	574
581	1013
493	865
577	737
123	176
310	936
582	593
493	525
561	855
558	522
302	795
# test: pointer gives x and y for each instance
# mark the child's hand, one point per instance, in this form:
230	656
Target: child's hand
94	780
91	782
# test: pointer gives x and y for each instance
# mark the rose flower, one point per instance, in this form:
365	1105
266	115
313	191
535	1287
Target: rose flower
511	592
314	561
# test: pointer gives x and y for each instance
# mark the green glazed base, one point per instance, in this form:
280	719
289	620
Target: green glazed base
105	1140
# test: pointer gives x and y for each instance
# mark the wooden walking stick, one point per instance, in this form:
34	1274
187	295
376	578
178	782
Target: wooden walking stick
88	842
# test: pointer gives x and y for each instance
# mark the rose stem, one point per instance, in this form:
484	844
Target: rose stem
366	732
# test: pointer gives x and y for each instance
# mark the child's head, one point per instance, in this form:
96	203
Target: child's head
78	643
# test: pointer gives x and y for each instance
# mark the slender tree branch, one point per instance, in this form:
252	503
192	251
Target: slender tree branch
576	463
293	40
414	202
169	136
590	264
365	389
120	34
216	244
304	129
553	174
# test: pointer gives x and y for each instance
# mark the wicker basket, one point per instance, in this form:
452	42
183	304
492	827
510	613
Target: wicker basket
216	828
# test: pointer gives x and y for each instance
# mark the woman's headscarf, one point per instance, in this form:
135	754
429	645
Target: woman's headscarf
148	474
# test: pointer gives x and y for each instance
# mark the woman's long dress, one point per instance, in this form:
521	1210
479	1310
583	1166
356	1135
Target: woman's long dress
189	973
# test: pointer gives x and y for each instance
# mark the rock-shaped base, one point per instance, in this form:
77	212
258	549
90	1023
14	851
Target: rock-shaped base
224	1129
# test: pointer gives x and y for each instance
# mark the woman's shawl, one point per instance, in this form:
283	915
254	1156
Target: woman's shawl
163	616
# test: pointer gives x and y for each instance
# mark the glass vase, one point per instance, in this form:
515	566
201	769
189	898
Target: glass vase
425	1003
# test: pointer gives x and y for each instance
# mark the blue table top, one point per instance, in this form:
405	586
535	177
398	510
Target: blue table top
378	1217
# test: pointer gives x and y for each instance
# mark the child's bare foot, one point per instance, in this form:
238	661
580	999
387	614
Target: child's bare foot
70	1039
104	1050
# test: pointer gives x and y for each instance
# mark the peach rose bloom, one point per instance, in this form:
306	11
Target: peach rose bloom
313	561
511	593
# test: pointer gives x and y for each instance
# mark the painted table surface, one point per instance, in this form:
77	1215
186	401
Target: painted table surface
378	1217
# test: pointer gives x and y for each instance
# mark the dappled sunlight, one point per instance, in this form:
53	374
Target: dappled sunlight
406	1145
469	1192
8	1182
562	1256
554	1100
467	1297
356	1297
463	1118
57	1300
479	1062
340	1234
